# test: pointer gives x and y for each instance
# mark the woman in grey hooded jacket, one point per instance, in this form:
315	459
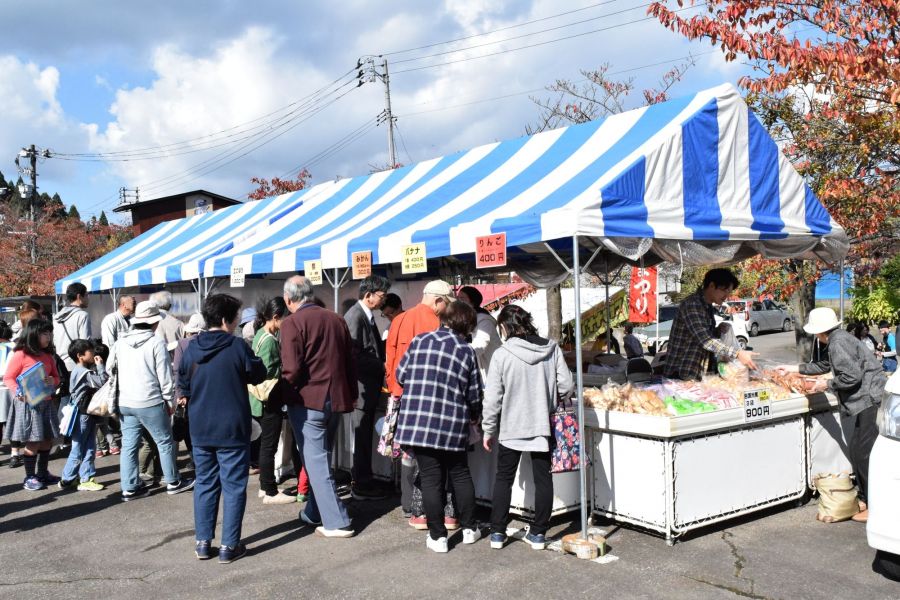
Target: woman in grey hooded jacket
527	378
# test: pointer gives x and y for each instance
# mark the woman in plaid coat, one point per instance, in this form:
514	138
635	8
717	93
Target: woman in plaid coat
442	390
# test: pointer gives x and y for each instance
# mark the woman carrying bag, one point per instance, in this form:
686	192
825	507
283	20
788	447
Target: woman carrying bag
527	379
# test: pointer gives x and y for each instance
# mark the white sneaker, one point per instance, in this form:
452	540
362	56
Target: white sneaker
346	532
279	498
261	494
470	536
439	545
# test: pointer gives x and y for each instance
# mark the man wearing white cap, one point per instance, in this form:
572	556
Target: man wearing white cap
858	383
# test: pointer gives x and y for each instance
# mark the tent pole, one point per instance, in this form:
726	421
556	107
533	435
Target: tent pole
841	267
579	378
608	309
337	292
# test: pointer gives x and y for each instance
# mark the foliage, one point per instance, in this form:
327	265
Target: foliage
268	188
103	221
62	247
73	213
890	274
871	305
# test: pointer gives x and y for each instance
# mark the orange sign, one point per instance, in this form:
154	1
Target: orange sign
362	264
490	251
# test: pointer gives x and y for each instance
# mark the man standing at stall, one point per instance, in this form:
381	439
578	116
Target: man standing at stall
693	347
117	322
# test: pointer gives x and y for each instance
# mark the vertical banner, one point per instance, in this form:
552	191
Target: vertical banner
312	270
642	295
414	259
490	251
362	264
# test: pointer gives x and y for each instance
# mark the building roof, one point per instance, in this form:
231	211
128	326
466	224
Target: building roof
127	206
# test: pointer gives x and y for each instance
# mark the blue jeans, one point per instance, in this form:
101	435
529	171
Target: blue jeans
220	472
889	363
318	429
157	422
81	456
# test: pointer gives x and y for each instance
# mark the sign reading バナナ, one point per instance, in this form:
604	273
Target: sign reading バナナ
757	405
362	264
414	259
312	270
490	251
237	276
642	295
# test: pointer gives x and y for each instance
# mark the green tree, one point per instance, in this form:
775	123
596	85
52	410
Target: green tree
103	220
73	213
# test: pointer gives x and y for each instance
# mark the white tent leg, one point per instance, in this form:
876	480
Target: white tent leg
579	378
841	301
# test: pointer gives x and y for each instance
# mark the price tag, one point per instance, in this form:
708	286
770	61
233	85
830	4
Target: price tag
312	270
237	276
414	259
757	405
490	251
362	265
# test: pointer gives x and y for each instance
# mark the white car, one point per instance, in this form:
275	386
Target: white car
883	527
739	326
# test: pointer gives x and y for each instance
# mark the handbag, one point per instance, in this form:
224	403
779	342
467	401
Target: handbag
261	391
67	421
565	455
105	402
389	428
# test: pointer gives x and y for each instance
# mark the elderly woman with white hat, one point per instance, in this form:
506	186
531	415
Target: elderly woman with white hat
146	399
859	384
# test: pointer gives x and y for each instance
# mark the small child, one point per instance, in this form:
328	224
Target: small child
108	434
84	382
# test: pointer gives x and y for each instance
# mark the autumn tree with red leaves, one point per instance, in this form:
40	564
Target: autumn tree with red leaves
826	83
276	186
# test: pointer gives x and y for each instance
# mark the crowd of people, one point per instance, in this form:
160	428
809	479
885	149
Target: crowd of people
234	384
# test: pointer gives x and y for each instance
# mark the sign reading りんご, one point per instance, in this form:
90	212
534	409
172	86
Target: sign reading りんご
312	270
414	259
237	276
490	251
362	264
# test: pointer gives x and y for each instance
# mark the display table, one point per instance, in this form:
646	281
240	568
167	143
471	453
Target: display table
675	474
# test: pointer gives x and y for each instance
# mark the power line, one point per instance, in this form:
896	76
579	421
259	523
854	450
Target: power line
403	141
524	35
535	45
469	37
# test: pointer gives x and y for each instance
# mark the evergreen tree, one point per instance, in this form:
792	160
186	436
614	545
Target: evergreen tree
73	213
103	220
57	208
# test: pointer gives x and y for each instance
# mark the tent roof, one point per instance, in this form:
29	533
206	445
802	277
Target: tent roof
696	179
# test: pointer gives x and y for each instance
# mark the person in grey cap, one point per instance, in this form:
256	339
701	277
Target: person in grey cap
248	329
170	329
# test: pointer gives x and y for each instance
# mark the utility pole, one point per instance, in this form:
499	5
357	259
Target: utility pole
31	153
367	74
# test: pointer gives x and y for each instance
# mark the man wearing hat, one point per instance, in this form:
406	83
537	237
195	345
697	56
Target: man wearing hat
859	384
170	329
422	318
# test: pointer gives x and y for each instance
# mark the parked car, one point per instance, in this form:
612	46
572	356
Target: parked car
883	527
648	334
765	315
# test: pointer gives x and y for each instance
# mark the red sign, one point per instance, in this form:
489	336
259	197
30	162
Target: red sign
642	295
490	251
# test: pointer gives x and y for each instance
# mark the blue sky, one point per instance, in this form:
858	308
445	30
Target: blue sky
112	77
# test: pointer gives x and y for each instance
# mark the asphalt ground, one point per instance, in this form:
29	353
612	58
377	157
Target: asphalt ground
67	544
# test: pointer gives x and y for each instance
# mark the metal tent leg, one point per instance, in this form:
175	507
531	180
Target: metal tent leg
579	378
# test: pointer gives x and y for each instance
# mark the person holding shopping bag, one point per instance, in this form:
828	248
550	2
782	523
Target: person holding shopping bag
527	378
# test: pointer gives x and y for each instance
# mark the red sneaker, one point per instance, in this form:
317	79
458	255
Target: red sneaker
419	523
115	451
99	454
451	524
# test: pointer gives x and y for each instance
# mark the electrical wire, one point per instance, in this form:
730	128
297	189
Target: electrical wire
537	44
403	141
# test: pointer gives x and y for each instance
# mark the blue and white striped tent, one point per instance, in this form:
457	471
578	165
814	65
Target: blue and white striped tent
696	179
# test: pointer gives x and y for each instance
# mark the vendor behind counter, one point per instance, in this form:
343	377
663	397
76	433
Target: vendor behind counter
694	348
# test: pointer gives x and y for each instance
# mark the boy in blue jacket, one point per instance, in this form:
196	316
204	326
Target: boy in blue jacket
86	378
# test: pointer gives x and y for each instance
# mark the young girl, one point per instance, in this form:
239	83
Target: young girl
34	426
84	381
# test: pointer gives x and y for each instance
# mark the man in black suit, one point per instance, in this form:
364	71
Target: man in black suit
368	350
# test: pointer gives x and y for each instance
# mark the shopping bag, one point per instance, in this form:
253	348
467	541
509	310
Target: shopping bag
105	402
565	453
837	498
389	428
69	414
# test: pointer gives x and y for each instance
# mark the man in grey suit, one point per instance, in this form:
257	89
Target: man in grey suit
368	350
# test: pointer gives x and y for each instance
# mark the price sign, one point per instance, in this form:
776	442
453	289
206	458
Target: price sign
362	265
490	251
414	259
312	270
237	276
757	405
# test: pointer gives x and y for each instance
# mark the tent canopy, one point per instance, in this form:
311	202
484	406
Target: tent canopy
695	179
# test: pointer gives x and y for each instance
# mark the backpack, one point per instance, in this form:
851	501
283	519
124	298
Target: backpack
64	377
